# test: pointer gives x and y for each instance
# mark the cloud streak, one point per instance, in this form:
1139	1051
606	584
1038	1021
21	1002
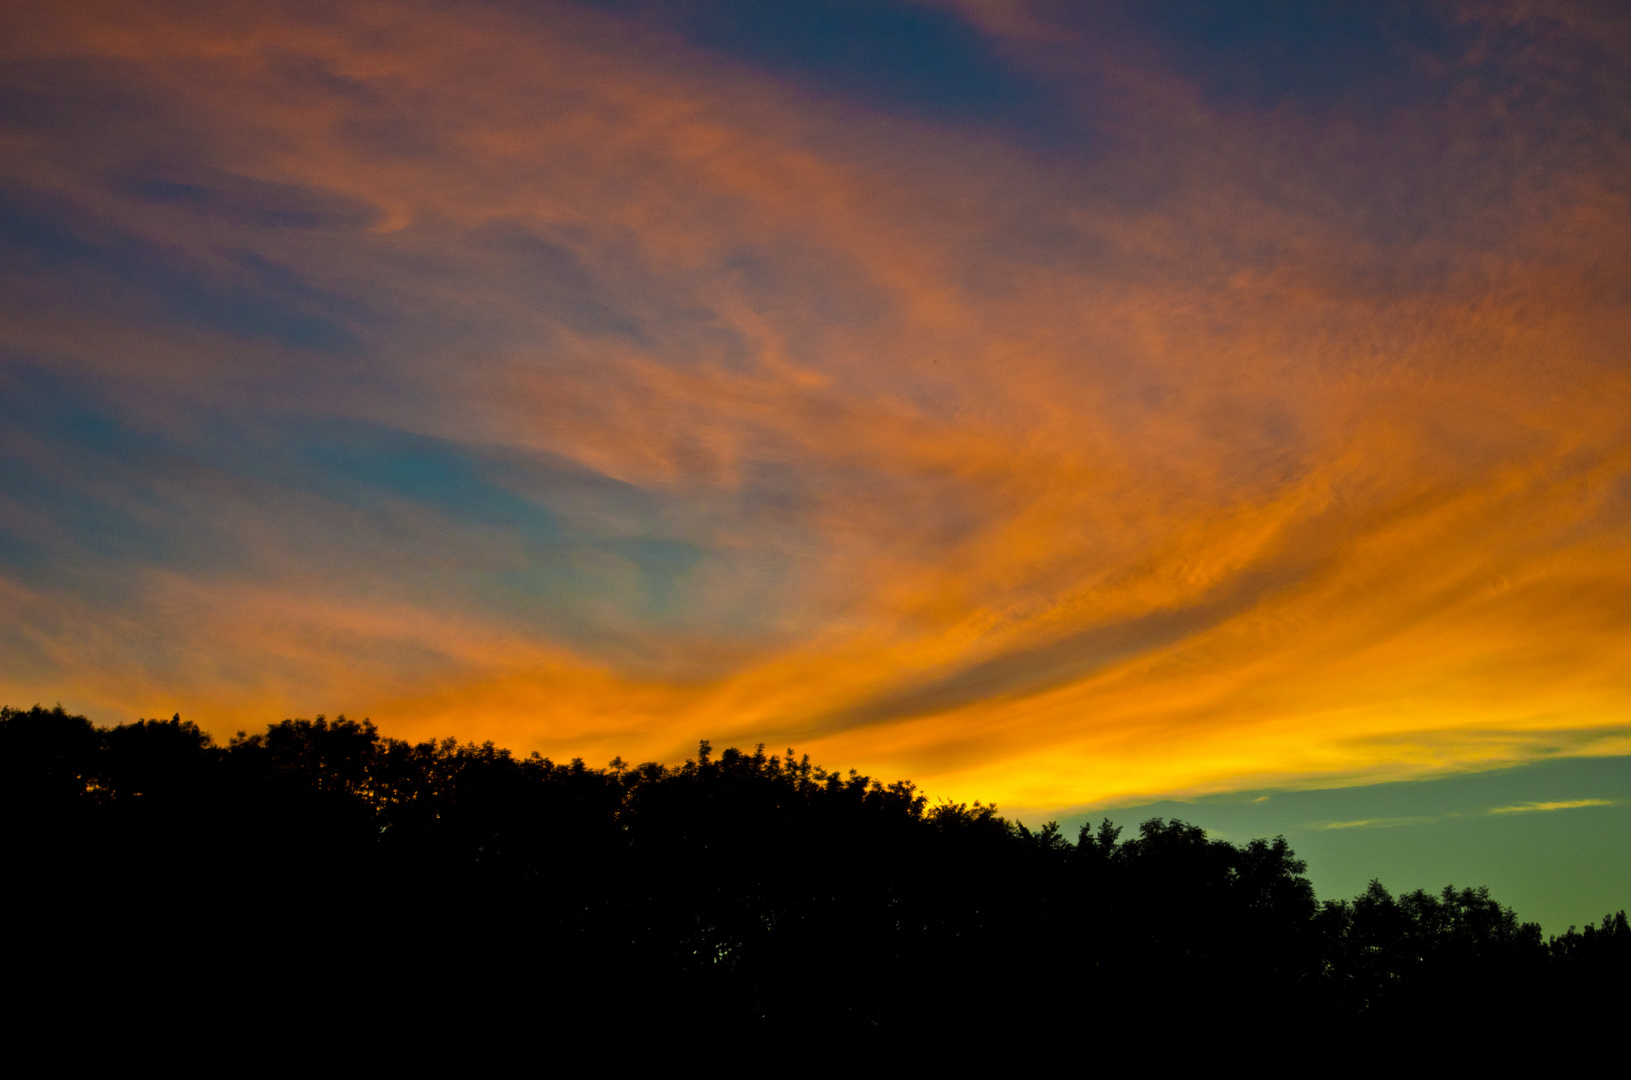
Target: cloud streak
1376	823
1543	807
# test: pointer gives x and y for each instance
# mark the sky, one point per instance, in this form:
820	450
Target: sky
1072	406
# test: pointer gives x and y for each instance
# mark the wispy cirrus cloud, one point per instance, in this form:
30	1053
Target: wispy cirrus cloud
1520	808
1375	823
1543	807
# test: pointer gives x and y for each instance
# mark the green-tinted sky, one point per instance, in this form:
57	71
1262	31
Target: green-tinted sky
1550	839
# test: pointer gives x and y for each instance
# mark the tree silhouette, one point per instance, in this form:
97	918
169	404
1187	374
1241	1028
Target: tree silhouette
741	891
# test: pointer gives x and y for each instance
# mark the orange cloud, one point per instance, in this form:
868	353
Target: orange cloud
1039	483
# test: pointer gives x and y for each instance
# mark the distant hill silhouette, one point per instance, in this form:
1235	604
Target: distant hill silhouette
740	892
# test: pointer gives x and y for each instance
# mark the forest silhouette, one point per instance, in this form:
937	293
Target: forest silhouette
737	892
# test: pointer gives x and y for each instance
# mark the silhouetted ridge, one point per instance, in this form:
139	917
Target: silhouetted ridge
739	890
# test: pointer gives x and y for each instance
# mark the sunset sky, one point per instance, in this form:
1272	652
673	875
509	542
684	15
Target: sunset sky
1076	406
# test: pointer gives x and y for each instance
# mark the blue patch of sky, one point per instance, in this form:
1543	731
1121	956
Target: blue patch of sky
1259	54
1560	866
53	250
88	501
899	56
893	56
572	548
358	462
571	530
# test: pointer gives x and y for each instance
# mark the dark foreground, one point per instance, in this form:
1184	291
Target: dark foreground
323	869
